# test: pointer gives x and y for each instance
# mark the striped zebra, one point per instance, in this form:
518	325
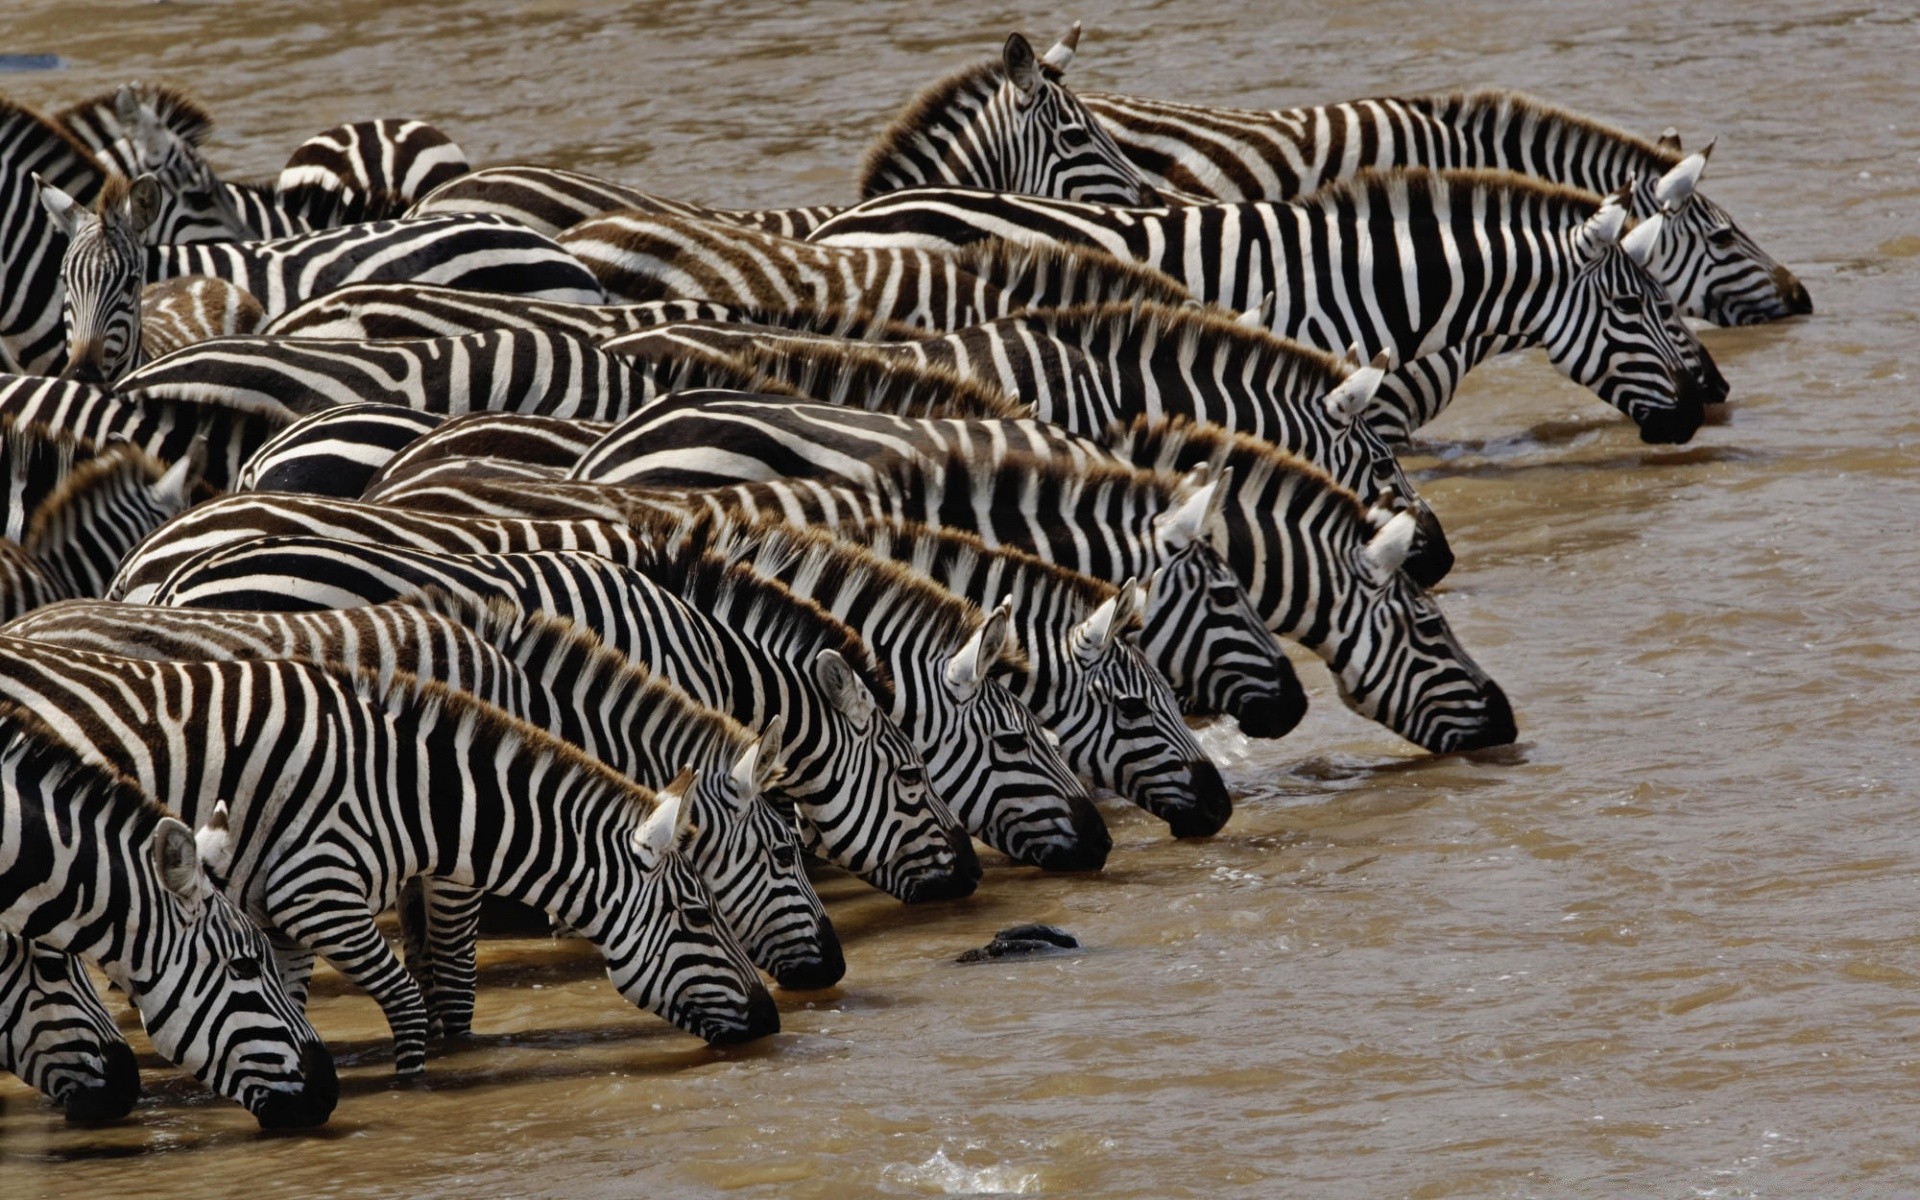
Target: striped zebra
1117	719
32	340
1092	367
1007	124
1509	261
58	1038
189	309
202	976
155	130
737	643
1200	629
336	451
326	790
411	310
101	276
986	753
365	171
559	677
547	442
639	258
1319	567
1708	264
72	512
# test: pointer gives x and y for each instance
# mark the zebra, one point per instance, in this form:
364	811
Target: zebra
552	443
326	789
68	523
1117	719
365	171
1710	267
410	310
1319	567
199	972
59	1038
153	130
1509	259
638	258
1090	367
190	309
1006	124
101	276
31	337
738	643
561	678
335	451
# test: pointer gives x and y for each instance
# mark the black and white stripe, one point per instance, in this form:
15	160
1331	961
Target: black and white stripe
59	1038
335	451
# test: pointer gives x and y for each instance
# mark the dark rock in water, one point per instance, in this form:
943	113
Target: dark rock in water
31	62
1021	940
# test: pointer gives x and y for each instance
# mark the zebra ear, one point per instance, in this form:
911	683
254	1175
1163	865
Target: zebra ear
66	212
661	831
771	745
1388	549
1602	230
213	844
1193	518
1060	55
1676	186
1023	69
174	489
968	667
843	687
745	775
1094	635
1260	316
126	106
1642	238
1347	401
143	203
177	859
1669	139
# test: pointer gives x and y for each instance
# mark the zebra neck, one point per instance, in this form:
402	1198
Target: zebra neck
1503	131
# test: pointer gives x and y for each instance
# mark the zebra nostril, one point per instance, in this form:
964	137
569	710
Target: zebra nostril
1677	424
114	1095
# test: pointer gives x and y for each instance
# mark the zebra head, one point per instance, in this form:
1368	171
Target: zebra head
55	1035
750	859
102	274
1395	657
192	204
1134	714
1616	331
667	949
996	765
1201	629
213	1001
883	821
1361	460
1008	126
1709	265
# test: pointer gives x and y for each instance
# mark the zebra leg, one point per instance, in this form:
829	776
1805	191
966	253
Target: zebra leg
338	926
450	929
416	948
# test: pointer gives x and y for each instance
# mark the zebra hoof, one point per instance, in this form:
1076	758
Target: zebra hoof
312	1104
113	1097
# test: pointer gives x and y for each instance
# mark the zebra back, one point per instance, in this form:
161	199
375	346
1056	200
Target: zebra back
550	200
194	308
334	451
553	442
368	170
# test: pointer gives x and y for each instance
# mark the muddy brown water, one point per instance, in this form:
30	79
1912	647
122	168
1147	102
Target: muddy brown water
1663	947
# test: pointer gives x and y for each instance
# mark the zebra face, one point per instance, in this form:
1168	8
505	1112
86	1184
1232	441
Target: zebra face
55	1035
1396	658
1056	146
1617	332
101	275
667	946
747	853
1708	264
990	758
191	206
213	1001
1201	631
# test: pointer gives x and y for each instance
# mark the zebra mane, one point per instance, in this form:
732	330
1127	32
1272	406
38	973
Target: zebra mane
1104	276
707	581
829	562
1522	105
1056	482
536	636
971	87
19	124
860	378
95	121
928	543
28	741
1131	322
1180	443
120	465
1421	183
429	701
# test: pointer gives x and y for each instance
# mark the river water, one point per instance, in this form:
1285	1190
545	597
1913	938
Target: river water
1663	947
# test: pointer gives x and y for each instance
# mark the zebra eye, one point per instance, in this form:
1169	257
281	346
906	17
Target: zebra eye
1073	137
912	776
1224	595
784	856
698	916
1133	708
1721	235
1012	745
1629	306
244	968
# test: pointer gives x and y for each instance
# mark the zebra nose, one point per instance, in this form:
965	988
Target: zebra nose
1676	424
1274	713
763	1020
1714	386
113	1096
1793	292
821	971
1211	806
1496	723
313	1103
1431	557
1086	849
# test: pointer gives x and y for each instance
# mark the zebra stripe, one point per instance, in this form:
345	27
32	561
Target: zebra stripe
550	443
1710	267
31	336
554	675
58	1038
74	833
190	309
551	200
100	276
1497	255
639	258
366	171
339	786
336	451
737	643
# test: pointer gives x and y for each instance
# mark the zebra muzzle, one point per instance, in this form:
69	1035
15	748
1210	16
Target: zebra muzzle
113	1096
313	1103
1674	425
824	968
1209	808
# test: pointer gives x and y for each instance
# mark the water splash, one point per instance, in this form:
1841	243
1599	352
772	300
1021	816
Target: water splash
942	1176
